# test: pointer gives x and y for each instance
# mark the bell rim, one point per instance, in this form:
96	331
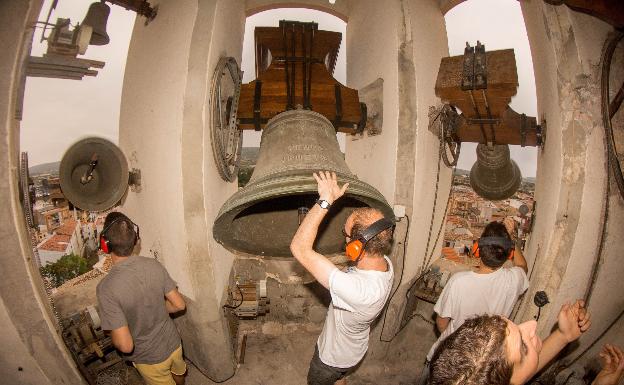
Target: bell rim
357	188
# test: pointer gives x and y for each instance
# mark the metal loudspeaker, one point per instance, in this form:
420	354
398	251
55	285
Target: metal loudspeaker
94	174
494	175
262	217
96	18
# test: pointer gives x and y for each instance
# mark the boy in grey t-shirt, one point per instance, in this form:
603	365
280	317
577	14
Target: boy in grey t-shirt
135	300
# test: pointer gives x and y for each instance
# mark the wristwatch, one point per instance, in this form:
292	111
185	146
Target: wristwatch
323	203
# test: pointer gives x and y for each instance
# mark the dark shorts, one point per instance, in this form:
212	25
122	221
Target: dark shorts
323	374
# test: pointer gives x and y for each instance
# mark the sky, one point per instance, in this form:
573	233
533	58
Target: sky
271	18
59	112
498	24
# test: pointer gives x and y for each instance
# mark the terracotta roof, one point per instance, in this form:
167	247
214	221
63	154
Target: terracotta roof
57	242
67	228
450	253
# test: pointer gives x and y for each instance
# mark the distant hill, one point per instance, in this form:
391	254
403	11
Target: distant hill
44	168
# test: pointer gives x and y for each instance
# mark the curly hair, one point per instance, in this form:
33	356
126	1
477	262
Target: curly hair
364	217
492	255
475	354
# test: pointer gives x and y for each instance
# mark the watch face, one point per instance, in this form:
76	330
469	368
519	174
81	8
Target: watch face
323	204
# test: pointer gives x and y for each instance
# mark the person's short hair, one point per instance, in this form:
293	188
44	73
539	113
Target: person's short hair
494	256
121	234
363	217
475	354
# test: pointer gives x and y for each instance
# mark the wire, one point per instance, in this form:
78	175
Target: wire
414	314
398	284
241	300
428	255
435	202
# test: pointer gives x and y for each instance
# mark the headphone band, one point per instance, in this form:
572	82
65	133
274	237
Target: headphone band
503	242
374	229
135	227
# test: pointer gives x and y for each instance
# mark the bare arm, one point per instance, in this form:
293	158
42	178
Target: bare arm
174	301
301	245
612	366
518	259
122	339
442	323
573	321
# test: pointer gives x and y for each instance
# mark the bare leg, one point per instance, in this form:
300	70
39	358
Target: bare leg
179	380
342	381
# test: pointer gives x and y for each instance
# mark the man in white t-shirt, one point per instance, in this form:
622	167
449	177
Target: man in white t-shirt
491	289
358	294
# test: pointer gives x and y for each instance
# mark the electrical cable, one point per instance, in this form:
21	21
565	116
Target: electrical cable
607	114
433	210
448	200
240	291
426	258
611	158
398	284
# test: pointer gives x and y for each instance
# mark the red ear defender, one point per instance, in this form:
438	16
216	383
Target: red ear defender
104	245
503	242
475	250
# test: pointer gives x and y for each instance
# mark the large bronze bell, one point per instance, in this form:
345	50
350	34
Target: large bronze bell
261	218
494	175
93	174
96	18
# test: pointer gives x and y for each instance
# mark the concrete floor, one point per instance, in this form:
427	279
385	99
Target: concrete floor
280	354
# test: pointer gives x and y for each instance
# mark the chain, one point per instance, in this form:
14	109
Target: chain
27	209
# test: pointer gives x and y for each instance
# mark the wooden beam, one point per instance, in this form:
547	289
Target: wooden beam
508	130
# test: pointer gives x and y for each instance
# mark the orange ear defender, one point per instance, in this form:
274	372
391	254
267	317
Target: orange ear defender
355	247
503	242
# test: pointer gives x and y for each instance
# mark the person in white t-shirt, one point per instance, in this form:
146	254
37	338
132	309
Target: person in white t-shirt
491	289
358	294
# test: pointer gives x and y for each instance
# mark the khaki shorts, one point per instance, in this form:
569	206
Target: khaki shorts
160	374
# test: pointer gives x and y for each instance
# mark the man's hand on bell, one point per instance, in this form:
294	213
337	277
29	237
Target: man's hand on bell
328	188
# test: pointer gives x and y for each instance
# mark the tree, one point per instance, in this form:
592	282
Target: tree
68	267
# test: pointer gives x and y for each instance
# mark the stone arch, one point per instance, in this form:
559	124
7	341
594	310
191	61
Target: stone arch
261	6
33	350
572	175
